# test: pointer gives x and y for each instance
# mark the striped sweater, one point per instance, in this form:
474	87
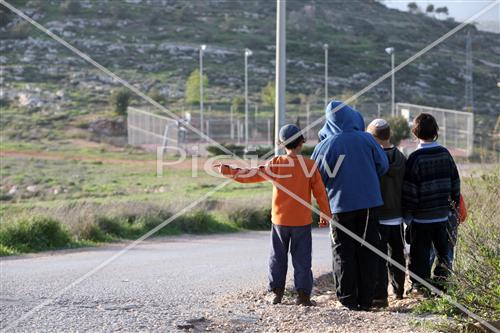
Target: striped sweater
431	184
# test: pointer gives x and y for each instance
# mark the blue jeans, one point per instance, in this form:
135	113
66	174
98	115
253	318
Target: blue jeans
298	241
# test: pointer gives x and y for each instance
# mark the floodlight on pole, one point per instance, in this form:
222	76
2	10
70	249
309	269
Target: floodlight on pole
202	49
279	103
325	47
248	53
390	51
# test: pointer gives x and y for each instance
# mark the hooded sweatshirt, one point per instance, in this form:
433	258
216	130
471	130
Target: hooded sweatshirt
356	184
391	185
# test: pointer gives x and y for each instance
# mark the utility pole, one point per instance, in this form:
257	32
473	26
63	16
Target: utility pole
325	47
202	48
390	51
247	54
469	93
279	106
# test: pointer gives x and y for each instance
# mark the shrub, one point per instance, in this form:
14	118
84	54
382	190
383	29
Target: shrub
201	222
268	94
399	129
20	31
118	11
156	96
120	100
92	232
237	104
70	7
6	251
252	219
192	92
35	233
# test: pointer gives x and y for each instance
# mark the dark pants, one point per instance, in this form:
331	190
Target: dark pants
391	242
423	237
354	265
452	233
299	241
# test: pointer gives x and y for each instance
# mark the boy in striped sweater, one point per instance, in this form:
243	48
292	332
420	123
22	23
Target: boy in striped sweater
431	187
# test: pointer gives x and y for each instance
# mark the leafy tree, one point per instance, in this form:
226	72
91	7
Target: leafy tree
70	7
413	7
155	94
237	103
442	10
430	8
120	100
268	94
399	129
192	92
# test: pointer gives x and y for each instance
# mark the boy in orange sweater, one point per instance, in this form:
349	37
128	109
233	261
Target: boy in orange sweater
291	220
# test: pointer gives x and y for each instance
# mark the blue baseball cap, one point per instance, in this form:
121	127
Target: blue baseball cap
288	131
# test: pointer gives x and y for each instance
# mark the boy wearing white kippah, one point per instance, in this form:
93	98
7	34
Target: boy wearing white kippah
390	215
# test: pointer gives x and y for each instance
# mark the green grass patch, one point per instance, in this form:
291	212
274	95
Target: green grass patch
95	224
36	233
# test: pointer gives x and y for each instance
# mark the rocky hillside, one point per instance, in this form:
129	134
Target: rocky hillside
154	44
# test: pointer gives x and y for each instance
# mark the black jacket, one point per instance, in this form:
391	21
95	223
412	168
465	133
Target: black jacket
391	185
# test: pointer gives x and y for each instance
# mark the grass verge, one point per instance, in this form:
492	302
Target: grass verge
55	229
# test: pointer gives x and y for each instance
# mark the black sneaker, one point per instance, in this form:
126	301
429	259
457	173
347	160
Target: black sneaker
278	295
380	303
364	308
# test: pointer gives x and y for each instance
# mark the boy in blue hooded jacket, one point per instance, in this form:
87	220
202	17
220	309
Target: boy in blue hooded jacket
351	162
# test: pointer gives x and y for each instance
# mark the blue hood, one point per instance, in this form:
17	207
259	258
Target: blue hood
356	184
343	119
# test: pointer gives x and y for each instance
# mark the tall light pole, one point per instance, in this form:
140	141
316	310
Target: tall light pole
279	103
325	47
247	54
390	51
202	121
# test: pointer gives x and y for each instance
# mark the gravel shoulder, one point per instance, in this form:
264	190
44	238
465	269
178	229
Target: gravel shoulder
252	311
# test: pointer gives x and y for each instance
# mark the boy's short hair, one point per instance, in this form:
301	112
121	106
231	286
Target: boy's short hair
425	127
380	129
295	143
288	132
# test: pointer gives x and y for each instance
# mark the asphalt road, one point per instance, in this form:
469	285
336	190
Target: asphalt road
152	287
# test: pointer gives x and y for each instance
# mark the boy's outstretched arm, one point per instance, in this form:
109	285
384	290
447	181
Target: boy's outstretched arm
244	175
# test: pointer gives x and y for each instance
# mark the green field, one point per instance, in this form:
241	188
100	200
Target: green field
84	190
